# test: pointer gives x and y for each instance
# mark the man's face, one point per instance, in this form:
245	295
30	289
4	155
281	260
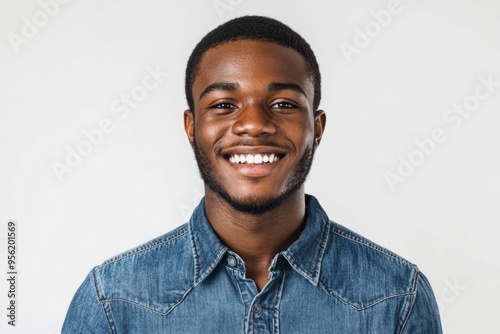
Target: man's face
253	130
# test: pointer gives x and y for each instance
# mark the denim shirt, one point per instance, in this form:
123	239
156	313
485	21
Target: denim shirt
330	280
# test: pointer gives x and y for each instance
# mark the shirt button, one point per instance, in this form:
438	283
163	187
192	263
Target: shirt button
231	261
257	308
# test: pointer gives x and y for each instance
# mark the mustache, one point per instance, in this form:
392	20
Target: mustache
251	142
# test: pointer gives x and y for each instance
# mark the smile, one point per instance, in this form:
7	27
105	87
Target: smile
253	158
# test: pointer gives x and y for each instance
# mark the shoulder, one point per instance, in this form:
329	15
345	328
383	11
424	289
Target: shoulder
154	275
152	248
361	273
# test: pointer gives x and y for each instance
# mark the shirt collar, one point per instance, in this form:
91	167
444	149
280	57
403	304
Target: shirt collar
304	255
207	248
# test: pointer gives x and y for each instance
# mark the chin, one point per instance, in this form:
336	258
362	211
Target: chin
253	203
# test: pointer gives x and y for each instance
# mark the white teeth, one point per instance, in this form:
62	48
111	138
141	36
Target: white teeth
253	159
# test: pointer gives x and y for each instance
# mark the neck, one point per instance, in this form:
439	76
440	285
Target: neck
256	238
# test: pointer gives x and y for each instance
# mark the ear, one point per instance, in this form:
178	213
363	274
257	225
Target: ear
319	126
189	125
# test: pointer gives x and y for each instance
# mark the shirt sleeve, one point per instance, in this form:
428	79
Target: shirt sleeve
85	313
424	315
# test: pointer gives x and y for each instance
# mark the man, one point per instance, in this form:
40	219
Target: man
258	255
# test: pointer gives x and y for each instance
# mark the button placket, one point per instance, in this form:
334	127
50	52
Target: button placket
257	309
231	261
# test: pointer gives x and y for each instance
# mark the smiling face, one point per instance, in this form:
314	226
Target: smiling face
253	129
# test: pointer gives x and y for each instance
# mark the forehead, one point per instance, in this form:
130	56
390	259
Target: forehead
252	60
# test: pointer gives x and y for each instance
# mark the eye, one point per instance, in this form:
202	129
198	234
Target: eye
284	105
223	105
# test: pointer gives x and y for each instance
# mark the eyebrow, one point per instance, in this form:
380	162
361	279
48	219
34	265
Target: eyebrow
272	87
230	86
277	86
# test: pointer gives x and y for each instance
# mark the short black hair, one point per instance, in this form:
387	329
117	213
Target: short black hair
253	28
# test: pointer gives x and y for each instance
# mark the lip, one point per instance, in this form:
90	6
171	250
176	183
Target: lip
254	170
261	149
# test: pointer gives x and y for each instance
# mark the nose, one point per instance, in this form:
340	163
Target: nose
254	121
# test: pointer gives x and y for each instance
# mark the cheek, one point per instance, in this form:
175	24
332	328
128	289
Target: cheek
300	133
209	132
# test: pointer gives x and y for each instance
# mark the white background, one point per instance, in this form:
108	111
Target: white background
141	180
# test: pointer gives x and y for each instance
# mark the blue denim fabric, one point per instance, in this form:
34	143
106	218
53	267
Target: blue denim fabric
330	280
